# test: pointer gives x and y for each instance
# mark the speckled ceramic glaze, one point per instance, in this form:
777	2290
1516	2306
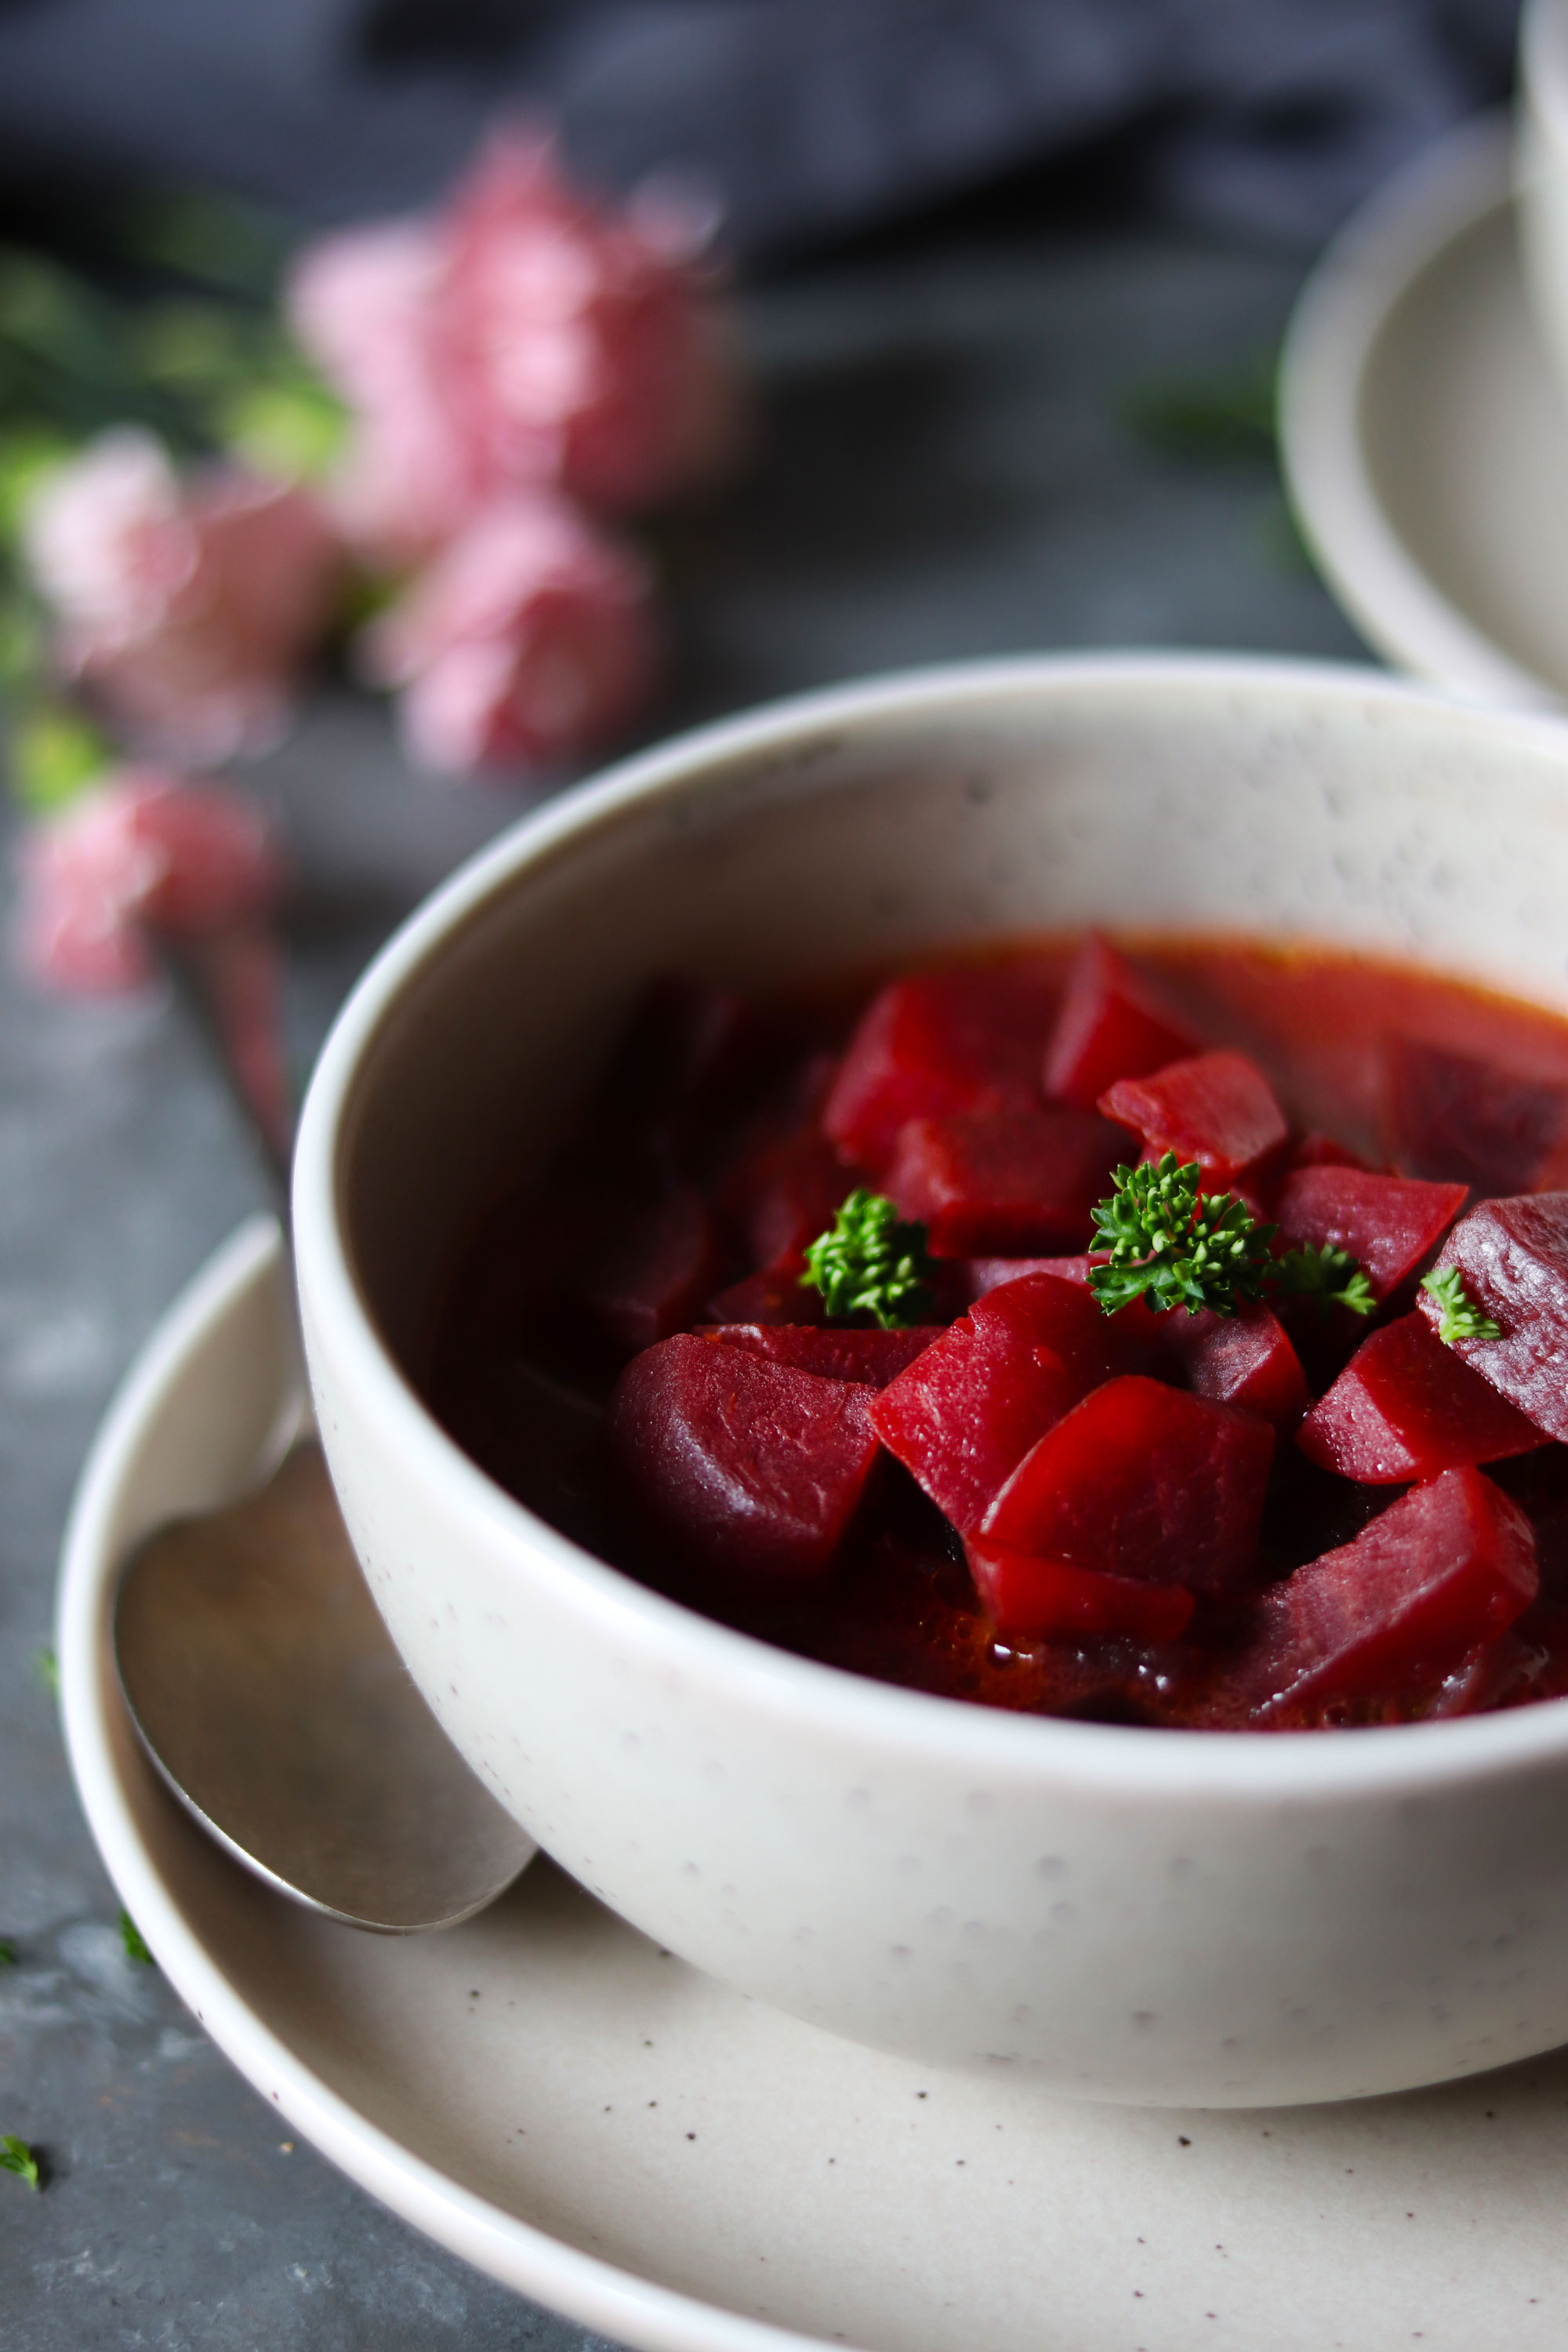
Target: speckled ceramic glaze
1172	1917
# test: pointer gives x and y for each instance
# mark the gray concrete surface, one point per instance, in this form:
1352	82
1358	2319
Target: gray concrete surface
946	471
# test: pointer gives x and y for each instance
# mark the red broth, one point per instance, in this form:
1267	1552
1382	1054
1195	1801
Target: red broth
1290	1519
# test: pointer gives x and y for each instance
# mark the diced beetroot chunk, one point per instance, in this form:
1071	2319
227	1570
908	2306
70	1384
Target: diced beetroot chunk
776	1296
685	1042
1111	1025
1514	1256
748	1471
1026	1596
950	1041
1450	1115
1004	1180
1445	1568
1141	1480
1405	1407
1137	1321
1217	1108
1325	1151
782	1196
873	1358
1243	1360
983	1273
1493	1672
646	1274
966	1412
1388	1223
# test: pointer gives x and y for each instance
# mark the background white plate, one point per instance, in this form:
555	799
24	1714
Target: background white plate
547	2093
1424	440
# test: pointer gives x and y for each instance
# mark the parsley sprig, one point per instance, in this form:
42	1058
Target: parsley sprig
1460	1319
871	1262
1174	1246
1327	1275
17	2156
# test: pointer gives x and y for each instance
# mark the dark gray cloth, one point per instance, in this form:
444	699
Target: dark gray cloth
812	120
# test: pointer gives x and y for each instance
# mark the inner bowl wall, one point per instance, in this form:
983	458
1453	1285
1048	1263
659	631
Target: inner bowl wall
994	811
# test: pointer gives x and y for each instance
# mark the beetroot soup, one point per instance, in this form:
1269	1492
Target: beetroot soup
1174	1337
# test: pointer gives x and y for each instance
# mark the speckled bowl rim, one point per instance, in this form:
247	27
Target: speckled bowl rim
1240	1768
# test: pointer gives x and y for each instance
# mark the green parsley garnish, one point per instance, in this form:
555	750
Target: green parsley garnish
1175	1246
17	2156
135	1943
1325	1273
871	1262
1460	1319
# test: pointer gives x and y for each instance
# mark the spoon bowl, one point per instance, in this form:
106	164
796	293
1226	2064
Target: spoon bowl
269	1694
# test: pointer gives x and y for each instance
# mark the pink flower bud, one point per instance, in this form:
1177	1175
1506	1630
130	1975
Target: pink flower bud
526	643
588	352
141	849
521	338
363	304
185	608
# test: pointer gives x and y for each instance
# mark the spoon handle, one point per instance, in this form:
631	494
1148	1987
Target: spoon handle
231	981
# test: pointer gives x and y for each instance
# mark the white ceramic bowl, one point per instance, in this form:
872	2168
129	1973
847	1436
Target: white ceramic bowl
1540	174
1130	1913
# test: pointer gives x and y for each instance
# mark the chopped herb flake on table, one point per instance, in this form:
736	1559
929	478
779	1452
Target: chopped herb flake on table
17	2156
135	1943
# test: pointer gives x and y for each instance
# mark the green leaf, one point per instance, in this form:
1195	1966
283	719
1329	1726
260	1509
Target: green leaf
294	430
193	347
218	241
135	1943
52	754
7	1953
28	454
24	641
1224	417
1329	1276
1459	1319
1175	1246
871	1262
17	2156
46	1672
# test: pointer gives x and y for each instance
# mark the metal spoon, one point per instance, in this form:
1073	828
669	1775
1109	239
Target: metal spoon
256	1666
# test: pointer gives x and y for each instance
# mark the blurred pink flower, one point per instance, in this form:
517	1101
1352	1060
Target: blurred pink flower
586	353
363	304
527	641
143	848
520	338
186	607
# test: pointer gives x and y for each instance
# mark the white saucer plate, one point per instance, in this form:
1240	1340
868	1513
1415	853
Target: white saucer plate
594	2123
1424	439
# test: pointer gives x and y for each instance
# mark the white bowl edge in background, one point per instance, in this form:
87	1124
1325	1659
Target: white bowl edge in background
1394	602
